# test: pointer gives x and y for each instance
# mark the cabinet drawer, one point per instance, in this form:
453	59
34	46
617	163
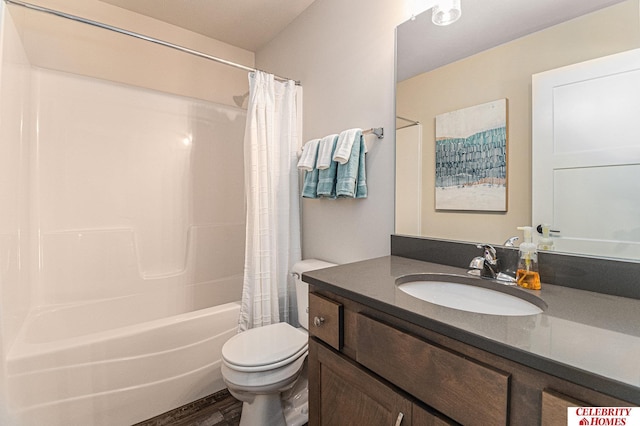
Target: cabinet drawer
466	391
325	320
554	407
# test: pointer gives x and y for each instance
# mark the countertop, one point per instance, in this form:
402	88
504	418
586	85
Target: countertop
588	338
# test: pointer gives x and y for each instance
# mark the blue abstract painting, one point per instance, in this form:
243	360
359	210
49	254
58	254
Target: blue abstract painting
471	158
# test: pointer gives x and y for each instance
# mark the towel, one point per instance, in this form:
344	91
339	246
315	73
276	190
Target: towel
327	178
345	142
310	185
351	179
308	157
361	190
325	151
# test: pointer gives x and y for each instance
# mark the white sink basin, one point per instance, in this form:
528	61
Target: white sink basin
463	294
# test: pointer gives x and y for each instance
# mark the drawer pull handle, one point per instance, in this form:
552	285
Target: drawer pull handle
318	321
399	419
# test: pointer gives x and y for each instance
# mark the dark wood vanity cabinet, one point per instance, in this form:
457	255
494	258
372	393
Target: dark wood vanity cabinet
369	368
343	393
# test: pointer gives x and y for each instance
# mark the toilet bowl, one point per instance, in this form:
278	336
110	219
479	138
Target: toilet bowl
265	367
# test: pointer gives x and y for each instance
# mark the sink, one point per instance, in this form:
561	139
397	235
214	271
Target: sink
471	294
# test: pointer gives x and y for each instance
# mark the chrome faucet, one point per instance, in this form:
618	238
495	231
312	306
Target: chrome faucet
510	242
489	265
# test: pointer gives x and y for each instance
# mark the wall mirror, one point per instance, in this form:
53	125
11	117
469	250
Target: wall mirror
491	53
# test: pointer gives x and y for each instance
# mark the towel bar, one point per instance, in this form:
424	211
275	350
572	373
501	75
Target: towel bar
378	131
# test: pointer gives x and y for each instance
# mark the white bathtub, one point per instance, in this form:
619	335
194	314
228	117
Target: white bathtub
66	370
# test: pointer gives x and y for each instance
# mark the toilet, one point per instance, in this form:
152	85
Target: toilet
265	367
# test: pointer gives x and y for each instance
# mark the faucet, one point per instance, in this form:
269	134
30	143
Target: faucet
510	242
489	265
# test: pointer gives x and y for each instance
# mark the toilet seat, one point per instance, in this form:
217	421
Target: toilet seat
258	382
265	348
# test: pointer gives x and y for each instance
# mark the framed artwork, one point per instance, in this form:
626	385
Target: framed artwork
471	158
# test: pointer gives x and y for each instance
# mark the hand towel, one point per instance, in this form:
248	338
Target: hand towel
308	157
325	151
310	185
327	179
351	176
345	143
361	189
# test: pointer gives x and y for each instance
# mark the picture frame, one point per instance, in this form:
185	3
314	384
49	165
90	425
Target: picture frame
471	158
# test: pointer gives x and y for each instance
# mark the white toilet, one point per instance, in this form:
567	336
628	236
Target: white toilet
265	367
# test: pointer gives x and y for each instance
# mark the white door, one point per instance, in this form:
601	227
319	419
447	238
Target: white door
586	155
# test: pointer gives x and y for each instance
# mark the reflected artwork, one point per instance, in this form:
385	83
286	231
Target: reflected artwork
471	158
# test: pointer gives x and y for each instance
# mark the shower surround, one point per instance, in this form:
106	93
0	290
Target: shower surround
121	243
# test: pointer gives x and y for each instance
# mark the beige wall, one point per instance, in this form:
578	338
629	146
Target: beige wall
56	43
505	72
343	52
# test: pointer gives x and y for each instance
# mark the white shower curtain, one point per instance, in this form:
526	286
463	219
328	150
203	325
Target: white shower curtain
273	215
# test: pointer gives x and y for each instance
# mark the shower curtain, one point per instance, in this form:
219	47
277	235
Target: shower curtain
273	215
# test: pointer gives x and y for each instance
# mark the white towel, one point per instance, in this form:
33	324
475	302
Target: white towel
307	159
325	149
344	144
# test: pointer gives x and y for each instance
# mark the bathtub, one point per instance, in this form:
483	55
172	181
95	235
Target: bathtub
115	370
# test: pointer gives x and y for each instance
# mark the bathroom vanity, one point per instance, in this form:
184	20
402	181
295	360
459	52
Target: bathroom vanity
380	356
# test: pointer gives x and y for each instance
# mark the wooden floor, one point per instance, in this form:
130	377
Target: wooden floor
219	409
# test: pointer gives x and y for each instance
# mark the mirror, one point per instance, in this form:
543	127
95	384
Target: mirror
490	54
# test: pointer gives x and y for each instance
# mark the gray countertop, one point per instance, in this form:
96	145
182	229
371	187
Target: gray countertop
589	338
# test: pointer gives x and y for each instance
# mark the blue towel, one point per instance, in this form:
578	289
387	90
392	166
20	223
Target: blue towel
327	177
351	176
310	186
361	190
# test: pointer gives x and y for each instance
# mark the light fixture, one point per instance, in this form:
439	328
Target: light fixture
446	12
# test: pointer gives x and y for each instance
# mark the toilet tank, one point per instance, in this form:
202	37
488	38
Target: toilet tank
302	288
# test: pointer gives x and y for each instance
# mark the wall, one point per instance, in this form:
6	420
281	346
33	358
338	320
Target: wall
505	72
343	53
59	44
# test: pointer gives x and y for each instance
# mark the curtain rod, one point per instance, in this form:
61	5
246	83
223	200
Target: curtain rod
137	35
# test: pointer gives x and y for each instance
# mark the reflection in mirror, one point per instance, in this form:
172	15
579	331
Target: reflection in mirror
489	54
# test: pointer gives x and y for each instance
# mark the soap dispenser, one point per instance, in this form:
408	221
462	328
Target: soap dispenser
527	274
545	242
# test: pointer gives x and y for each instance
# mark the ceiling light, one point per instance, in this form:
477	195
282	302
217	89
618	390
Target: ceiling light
446	12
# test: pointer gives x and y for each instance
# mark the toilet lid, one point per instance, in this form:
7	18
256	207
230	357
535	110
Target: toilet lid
265	346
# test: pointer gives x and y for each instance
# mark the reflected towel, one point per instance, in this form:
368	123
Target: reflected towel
345	144
309	154
351	177
326	149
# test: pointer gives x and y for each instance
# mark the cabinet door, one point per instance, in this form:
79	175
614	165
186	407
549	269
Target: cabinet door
341	393
422	417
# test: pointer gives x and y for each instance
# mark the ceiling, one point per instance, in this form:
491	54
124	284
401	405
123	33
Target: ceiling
423	46
248	24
